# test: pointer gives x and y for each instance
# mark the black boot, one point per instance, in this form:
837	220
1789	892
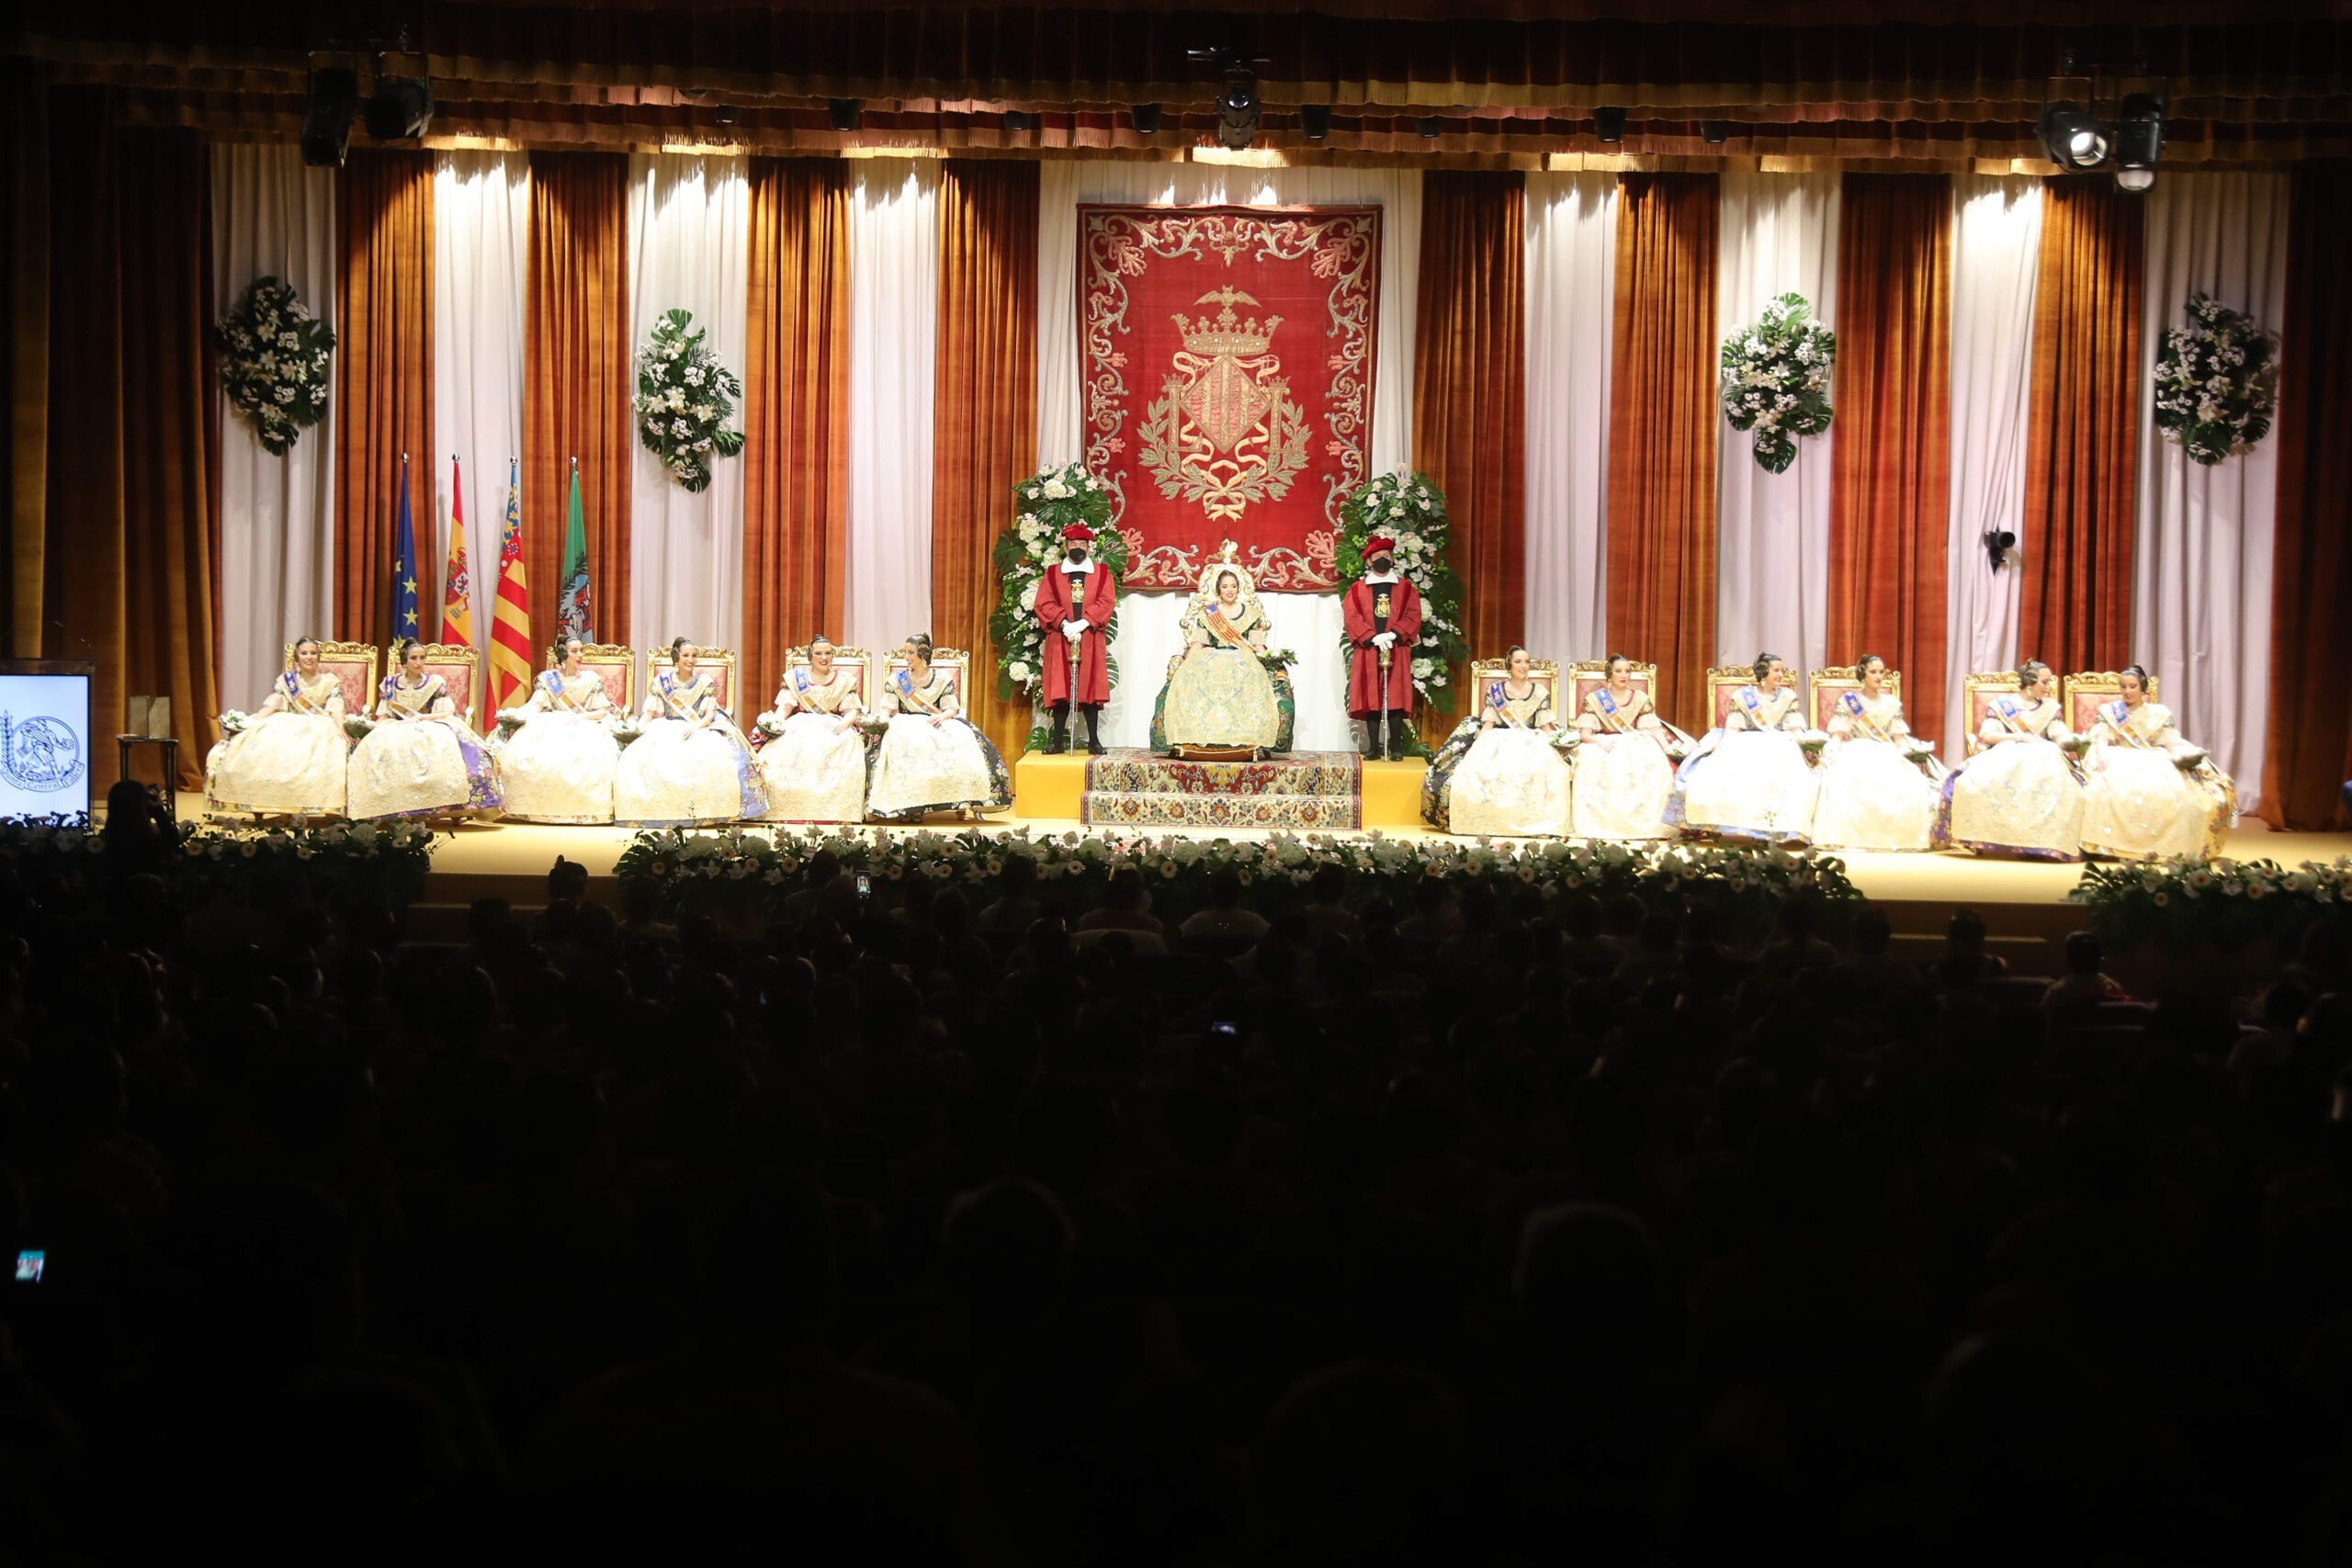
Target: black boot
1398	736
1093	731
1059	741
1372	738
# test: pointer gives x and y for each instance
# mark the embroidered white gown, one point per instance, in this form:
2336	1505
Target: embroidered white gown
421	759
1750	780
2138	802
1872	796
1623	777
1218	694
2019	796
923	767
559	766
815	771
290	758
1506	778
691	766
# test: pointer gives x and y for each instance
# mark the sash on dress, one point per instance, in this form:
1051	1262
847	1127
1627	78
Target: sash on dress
1213	620
2119	718
906	684
1852	704
300	700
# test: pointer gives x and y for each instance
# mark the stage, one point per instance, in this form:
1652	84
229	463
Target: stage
2023	902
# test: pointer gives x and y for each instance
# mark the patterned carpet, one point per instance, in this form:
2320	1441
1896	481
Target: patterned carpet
1307	791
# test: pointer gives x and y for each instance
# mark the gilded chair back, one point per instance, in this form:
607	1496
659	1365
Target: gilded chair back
1978	692
2083	694
1589	675
856	661
615	666
1543	673
953	662
1724	682
354	664
724	665
455	663
1827	687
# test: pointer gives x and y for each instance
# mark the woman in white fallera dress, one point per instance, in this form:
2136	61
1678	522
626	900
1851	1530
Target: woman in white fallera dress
2150	795
421	759
691	767
814	768
1749	781
1623	776
560	765
1498	773
290	756
2021	794
1219	694
932	758
1874	793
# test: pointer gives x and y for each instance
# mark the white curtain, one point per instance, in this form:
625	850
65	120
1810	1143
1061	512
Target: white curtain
481	227
689	236
893	346
1997	246
1307	624
1777	235
272	217
1571	310
2200	591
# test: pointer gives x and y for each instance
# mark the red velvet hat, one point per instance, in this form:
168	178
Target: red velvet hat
1077	533
1378	543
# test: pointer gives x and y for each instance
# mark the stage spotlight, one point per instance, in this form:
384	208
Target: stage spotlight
1315	121
1238	109
400	109
1609	124
2071	137
1020	120
1998	542
845	114
1146	117
2139	141
727	114
1715	132
327	115
1431	127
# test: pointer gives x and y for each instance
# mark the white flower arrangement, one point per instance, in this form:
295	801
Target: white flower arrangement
684	398
512	719
771	723
627	728
274	359
1776	379
234	721
1409	509
358	726
2217	381
1049	501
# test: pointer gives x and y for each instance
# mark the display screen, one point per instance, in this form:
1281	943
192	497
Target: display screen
44	741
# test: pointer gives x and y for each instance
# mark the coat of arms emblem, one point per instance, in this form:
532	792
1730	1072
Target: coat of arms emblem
1225	430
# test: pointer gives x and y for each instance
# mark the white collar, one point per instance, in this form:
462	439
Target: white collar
1063	565
1382	577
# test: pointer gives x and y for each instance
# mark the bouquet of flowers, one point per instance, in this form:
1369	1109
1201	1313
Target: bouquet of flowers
874	721
274	357
2217	381
628	728
1277	660
1812	741
1565	739
234	721
1409	509
1049	501
512	720
684	398
771	723
1776	379
357	725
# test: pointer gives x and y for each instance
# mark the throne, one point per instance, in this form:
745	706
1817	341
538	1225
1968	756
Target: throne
1286	703
2084	693
723	663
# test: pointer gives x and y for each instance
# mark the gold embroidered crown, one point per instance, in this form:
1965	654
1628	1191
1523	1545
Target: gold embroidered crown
1229	334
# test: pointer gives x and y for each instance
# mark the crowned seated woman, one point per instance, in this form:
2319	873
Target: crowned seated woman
290	757
1498	772
2151	794
1219	694
1747	780
815	767
559	767
421	759
692	767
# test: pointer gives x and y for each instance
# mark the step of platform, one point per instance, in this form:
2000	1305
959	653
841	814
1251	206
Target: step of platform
1320	791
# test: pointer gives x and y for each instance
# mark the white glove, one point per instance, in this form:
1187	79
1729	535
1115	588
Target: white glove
1073	628
1385	640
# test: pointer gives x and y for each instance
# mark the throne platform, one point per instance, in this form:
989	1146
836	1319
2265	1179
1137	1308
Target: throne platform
1304	792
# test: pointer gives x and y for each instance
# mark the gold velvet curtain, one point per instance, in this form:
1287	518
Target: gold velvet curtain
2308	752
125	570
1470	393
383	387
796	414
1891	494
1662	435
579	367
24	326
2082	429
985	391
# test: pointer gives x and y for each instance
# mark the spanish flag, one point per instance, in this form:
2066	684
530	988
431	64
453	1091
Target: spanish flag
457	584
510	630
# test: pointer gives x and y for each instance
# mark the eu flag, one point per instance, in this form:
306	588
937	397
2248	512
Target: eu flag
404	621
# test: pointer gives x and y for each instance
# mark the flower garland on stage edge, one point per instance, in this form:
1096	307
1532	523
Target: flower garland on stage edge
1776	377
1049	500
274	357
2228	903
376	862
2217	381
746	875
1408	508
684	398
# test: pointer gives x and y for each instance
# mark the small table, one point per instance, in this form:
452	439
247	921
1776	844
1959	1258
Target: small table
170	765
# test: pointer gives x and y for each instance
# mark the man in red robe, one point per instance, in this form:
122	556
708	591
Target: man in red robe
1382	616
1075	603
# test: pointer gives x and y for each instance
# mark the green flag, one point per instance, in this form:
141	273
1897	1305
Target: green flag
575	605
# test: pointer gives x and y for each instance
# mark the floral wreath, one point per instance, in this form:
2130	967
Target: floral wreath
274	357
684	398
2217	381
1050	501
1776	380
1409	509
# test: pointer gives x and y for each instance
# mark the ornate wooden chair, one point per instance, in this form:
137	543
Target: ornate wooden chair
2081	694
1724	682
953	661
354	664
1827	687
1589	675
615	666
456	665
725	668
1978	692
1543	673
856	661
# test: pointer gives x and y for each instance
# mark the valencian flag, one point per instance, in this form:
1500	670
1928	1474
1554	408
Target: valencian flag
575	605
510	628
458	588
404	621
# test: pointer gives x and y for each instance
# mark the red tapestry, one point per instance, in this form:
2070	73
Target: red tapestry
1226	357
